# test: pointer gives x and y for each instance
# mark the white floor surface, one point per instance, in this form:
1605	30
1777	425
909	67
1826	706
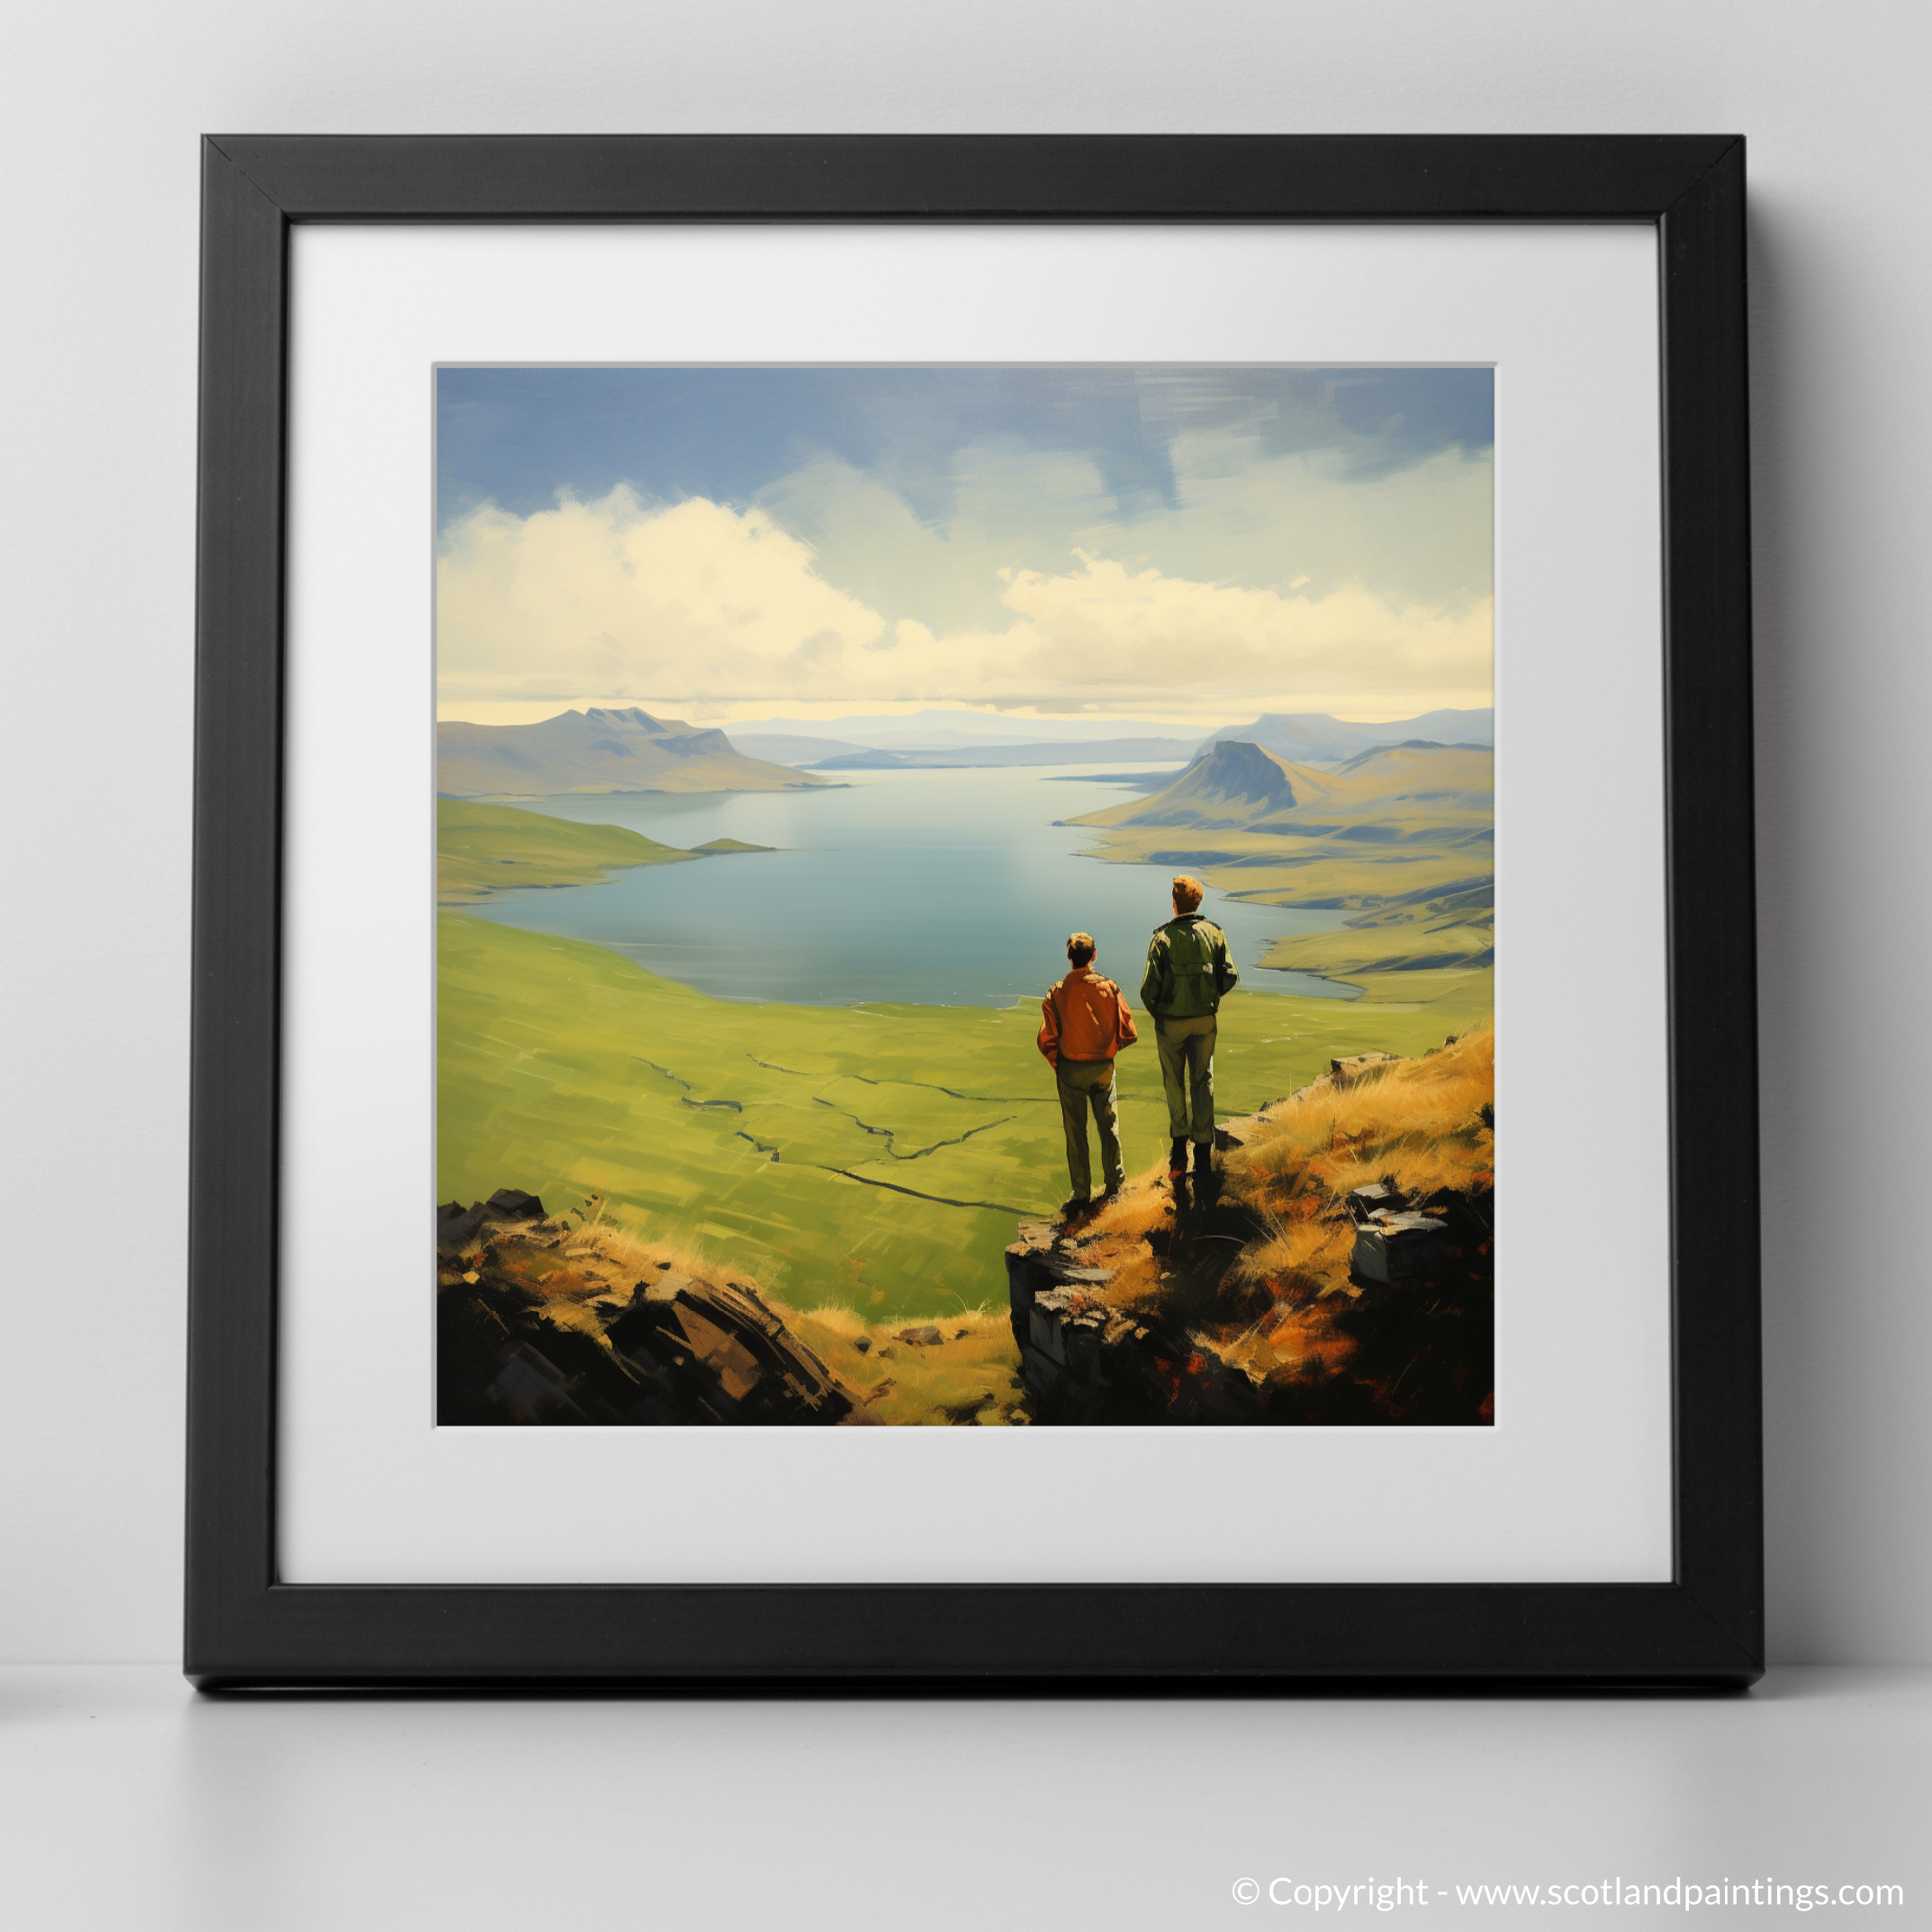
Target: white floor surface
128	1802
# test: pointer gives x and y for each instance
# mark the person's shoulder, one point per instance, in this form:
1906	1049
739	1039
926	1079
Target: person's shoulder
1106	985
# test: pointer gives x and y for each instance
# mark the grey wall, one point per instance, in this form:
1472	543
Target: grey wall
102	105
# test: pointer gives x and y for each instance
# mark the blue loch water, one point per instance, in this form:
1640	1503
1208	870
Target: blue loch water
934	887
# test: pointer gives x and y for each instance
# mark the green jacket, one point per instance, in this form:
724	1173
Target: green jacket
1188	969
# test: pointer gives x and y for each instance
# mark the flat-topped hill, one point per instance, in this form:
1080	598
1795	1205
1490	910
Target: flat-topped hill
1401	836
1228	786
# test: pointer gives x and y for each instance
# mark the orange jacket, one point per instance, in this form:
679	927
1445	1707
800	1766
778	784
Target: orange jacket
1086	1019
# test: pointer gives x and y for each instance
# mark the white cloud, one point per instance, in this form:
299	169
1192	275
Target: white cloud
1422	534
617	599
702	607
1011	506
1104	636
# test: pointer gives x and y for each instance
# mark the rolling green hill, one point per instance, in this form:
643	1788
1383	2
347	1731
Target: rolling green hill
482	849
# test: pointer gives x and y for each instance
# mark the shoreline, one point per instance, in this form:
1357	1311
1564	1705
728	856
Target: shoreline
589	854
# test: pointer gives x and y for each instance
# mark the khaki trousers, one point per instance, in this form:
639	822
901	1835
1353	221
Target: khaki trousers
1186	1048
1084	1084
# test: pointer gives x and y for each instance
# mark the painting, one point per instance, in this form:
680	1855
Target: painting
965	896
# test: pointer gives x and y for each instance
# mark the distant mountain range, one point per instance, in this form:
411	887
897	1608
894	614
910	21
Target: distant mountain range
627	749
862	743
599	750
938	728
1313	738
1096	750
786	747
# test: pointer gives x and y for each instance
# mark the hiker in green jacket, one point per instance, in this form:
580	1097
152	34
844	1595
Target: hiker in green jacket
1187	972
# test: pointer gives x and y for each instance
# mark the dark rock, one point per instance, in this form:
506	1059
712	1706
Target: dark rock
1358	1068
674	1350
457	1226
726	1337
534	1389
1381	1197
591	1368
925	1337
513	1205
1029	1270
1047	1318
1397	1247
472	1341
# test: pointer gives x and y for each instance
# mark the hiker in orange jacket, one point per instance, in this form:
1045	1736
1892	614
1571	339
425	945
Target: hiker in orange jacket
1088	1021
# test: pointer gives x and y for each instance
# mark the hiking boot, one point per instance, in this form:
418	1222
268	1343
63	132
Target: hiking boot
1204	1157
1177	1159
1072	1211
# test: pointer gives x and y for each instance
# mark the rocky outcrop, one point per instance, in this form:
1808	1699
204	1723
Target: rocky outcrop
538	1322
1207	1317
1084	1359
457	1225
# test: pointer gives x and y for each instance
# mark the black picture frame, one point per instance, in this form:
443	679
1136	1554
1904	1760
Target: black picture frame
245	1627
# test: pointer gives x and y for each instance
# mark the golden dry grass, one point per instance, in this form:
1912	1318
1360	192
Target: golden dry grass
1419	1121
969	1376
1426	1124
1117	1238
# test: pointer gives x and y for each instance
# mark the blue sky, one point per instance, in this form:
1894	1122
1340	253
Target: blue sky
1045	541
518	438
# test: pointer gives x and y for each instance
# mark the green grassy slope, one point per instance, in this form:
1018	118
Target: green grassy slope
874	1158
484	849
